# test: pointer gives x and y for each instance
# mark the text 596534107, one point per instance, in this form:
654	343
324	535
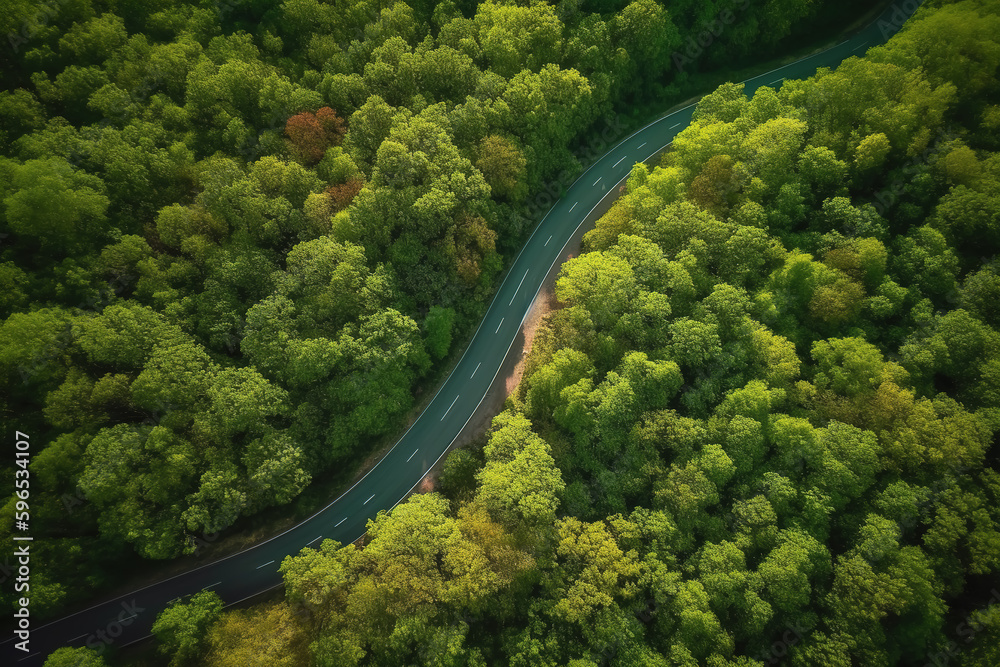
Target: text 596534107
22	546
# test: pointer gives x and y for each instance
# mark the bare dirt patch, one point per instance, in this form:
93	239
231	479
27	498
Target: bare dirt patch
544	303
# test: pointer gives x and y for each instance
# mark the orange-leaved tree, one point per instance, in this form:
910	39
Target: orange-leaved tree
312	133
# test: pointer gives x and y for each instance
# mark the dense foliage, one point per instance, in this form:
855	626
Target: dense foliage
762	425
235	236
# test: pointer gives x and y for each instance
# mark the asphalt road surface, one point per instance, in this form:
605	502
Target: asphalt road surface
129	618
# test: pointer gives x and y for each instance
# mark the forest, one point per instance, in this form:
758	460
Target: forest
239	238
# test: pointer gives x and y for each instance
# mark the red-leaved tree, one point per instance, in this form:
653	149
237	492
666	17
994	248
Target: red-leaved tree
341	195
312	133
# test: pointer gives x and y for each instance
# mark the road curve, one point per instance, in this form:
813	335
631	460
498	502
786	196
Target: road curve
128	619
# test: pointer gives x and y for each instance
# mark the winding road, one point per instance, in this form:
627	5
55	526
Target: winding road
128	619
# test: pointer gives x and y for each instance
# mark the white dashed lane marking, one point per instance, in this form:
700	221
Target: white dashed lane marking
518	287
446	412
